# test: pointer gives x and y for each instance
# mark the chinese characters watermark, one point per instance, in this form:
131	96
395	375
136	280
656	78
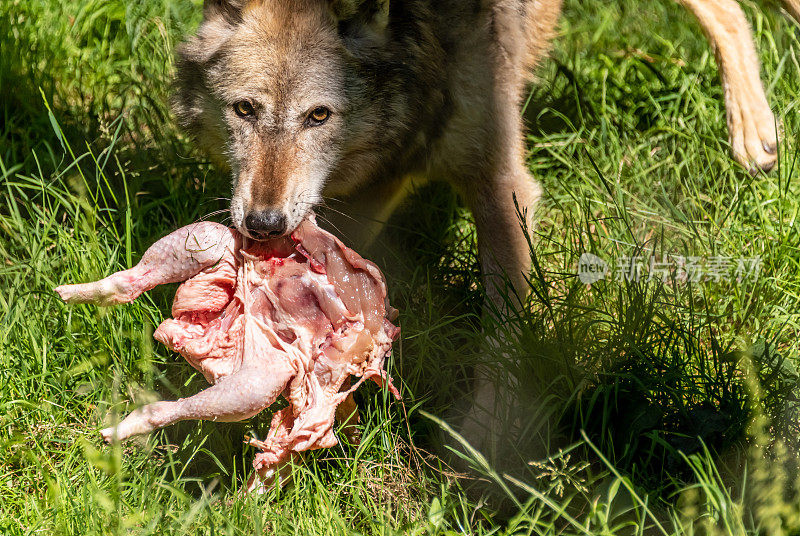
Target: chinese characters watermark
681	269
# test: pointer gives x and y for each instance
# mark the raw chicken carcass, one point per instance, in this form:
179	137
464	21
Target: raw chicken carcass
295	316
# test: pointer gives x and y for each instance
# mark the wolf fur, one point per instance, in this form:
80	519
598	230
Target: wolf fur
415	89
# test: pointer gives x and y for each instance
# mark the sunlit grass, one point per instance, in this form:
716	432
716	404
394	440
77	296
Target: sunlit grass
661	406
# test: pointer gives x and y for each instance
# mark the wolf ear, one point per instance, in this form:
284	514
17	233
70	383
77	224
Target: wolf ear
374	14
230	10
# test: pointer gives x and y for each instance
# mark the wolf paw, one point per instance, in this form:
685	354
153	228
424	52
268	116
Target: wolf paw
753	133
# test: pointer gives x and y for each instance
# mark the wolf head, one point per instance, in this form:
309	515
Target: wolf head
268	88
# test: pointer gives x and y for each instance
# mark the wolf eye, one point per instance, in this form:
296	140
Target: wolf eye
318	115
243	109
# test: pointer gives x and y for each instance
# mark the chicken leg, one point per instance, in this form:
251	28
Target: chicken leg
234	398
189	250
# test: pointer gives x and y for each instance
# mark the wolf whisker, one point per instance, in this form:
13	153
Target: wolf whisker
212	214
338	231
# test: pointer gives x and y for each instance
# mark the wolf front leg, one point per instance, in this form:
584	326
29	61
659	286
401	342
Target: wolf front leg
498	189
234	398
503	212
174	258
751	125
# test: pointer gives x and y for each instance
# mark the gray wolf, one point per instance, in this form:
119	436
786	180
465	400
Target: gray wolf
359	99
356	98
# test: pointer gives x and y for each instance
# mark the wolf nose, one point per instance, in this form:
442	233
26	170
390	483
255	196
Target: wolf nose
262	224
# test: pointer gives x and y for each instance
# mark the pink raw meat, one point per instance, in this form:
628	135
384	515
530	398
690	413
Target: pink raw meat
295	316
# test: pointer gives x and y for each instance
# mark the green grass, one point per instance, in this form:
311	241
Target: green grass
667	407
